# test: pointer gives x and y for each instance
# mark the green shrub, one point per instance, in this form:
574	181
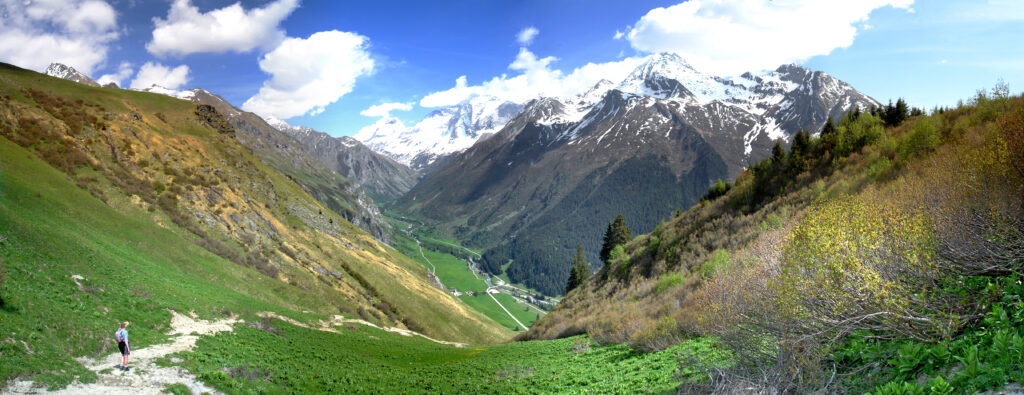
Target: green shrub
719	260
922	138
652	244
879	167
669	280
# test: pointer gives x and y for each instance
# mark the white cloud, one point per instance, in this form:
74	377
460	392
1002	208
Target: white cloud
231	28
733	36
618	35
124	70
536	79
385	109
526	36
34	34
308	74
157	74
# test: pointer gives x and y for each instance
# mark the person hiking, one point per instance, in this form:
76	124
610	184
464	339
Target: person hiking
122	344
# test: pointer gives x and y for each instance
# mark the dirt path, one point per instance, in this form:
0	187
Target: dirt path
144	377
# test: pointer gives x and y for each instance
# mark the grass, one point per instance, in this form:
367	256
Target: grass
366	360
455	273
133	270
137	264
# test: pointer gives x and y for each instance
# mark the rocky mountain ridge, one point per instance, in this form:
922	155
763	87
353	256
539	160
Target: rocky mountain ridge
425	145
643	147
61	70
381	177
287	155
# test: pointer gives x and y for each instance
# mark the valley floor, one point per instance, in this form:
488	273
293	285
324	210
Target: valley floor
274	354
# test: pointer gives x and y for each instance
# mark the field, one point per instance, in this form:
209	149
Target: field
366	360
454	273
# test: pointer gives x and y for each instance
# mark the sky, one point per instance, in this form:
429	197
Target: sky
339	66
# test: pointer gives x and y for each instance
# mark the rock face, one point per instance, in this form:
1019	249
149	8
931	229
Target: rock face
384	179
287	155
69	73
424	147
563	167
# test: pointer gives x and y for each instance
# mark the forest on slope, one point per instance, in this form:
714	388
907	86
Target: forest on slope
883	255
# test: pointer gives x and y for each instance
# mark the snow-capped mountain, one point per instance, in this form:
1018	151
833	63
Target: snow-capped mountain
441	133
763	107
189	94
642	147
69	73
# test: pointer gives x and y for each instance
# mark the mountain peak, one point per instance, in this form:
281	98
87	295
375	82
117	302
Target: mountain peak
277	123
64	71
189	95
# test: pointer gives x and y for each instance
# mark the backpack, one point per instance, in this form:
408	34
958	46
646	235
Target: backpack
117	335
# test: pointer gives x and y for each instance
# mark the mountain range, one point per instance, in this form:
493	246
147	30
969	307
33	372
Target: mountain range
426	146
527	182
562	167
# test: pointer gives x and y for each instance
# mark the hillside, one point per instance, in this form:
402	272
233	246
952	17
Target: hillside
561	169
382	178
157	206
286	155
72	266
882	253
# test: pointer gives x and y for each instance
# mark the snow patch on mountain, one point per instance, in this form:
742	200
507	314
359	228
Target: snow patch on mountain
766	102
189	95
442	132
66	72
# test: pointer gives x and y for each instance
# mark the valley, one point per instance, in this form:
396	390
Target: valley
511	306
721	197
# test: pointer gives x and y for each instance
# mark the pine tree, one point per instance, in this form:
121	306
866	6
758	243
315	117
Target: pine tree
606	244
616	234
778	154
829	129
572	283
579	271
800	143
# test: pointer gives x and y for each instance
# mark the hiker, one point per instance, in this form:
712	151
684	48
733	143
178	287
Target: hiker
122	344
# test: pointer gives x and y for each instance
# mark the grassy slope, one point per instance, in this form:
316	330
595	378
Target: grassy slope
373	361
644	301
133	271
137	263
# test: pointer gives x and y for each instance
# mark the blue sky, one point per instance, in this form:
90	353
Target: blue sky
323	63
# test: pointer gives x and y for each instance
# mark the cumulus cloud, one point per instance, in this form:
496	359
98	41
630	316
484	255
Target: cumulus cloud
526	36
34	34
733	36
124	70
157	74
308	74
536	78
385	109
232	28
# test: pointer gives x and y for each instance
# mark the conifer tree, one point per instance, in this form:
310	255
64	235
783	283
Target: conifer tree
829	129
616	234
579	271
778	154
